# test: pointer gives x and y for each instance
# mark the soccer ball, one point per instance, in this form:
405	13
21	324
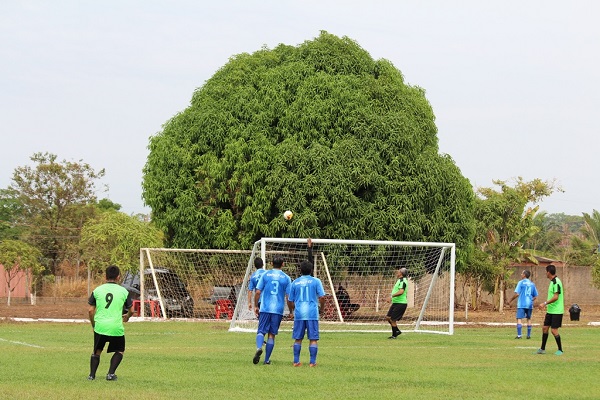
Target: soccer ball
288	215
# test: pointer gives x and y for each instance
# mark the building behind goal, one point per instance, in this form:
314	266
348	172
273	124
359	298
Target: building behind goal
358	277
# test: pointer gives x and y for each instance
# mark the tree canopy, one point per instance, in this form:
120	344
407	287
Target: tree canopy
321	129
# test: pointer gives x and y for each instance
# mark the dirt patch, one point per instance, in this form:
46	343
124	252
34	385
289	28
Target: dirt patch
78	309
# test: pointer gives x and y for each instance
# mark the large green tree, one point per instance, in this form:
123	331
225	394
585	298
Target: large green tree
115	238
321	129
55	199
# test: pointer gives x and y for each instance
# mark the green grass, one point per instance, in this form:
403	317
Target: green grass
185	360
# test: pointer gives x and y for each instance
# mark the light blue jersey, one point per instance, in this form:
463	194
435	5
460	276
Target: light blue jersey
273	286
254	281
527	291
305	292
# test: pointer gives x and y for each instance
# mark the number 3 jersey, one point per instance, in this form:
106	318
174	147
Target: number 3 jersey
273	286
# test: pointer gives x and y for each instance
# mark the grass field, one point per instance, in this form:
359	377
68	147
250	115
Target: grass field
185	360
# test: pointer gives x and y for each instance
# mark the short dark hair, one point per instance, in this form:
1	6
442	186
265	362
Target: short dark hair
277	262
112	272
258	263
527	274
306	267
551	268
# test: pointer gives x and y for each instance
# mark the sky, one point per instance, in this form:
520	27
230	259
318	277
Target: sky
514	85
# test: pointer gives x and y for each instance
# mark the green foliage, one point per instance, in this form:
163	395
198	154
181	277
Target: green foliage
55	199
115	238
17	256
321	129
503	226
182	360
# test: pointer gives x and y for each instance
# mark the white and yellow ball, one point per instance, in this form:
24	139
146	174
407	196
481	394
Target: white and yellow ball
288	215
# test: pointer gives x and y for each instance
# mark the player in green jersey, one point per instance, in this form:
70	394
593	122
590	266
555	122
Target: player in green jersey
106	305
555	308
399	302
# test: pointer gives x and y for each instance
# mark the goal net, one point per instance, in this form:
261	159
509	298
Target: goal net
358	277
188	283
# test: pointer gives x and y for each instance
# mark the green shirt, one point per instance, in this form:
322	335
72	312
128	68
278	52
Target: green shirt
400	284
109	300
558	307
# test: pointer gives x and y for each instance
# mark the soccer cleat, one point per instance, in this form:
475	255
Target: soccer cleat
257	355
540	351
267	362
91	378
528	337
558	353
111	377
313	365
392	337
519	337
297	364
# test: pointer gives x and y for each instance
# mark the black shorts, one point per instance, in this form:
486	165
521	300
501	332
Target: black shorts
554	321
396	311
115	343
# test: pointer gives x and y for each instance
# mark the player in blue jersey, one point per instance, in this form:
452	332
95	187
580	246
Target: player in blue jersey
271	291
526	292
304	301
258	264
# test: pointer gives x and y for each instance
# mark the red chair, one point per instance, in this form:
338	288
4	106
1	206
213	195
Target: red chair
223	307
152	304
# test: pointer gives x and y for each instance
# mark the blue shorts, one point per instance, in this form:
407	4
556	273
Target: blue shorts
524	313
311	328
269	323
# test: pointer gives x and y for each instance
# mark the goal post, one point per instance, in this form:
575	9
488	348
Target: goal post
358	277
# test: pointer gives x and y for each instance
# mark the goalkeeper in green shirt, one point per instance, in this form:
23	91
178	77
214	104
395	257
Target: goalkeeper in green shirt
399	302
555	308
107	304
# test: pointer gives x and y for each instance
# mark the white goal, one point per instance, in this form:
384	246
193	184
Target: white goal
358	277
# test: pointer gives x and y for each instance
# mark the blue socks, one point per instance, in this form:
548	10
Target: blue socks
297	348
529	330
519	329
269	349
313	349
260	340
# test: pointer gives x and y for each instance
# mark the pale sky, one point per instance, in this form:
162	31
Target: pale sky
514	85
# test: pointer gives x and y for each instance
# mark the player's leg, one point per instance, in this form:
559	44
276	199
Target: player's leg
547	323
99	342
528	314
520	316
116	346
312	328
260	336
298	335
392	317
274	322
557	323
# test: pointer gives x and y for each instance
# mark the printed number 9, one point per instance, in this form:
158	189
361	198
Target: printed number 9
109	299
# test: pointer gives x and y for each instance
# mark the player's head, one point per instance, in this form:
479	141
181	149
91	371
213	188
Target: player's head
402	272
551	269
526	273
306	267
112	273
277	262
258	263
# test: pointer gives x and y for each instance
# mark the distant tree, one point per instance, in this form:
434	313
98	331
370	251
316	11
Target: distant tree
321	129
20	261
56	199
106	204
504	225
116	238
10	211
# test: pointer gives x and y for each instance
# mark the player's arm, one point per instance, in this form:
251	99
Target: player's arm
91	313
249	299
321	304
256	298
400	291
309	248
514	297
129	306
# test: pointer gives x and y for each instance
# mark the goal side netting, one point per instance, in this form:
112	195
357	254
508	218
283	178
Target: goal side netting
358	277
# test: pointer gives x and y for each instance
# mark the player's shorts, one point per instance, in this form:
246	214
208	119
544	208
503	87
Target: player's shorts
524	313
115	343
396	311
311	328
554	321
269	323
